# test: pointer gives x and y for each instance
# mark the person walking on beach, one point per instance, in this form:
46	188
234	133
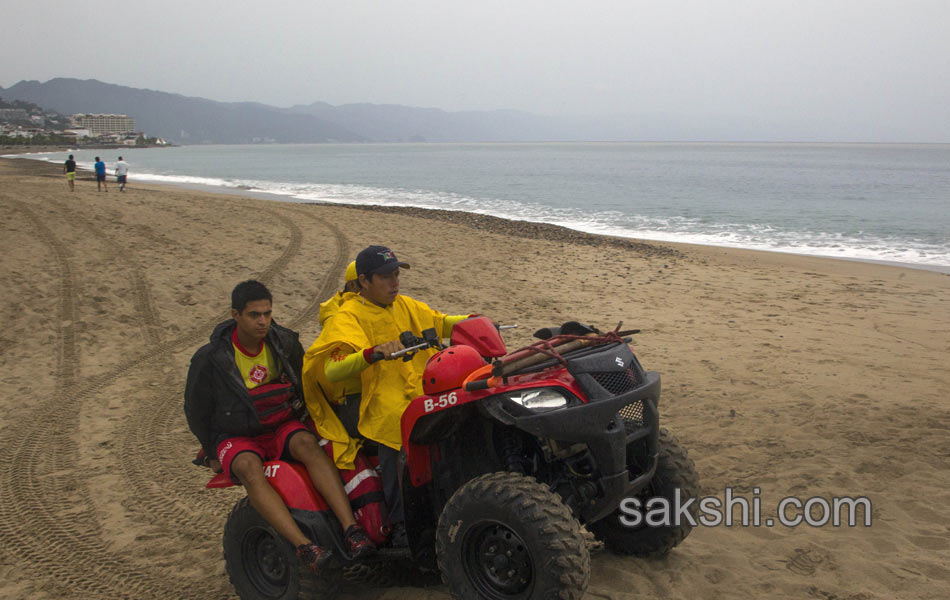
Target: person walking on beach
121	173
69	167
100	175
229	405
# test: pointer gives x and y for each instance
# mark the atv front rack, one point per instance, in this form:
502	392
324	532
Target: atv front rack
553	348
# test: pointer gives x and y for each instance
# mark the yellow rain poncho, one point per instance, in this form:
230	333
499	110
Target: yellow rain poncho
329	306
317	390
388	386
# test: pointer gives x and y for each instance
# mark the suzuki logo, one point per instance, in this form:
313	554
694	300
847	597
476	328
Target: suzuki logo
619	361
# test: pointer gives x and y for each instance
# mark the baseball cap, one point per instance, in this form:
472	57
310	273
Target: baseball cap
377	259
350	274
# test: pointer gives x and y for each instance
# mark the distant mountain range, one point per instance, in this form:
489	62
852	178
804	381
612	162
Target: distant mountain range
187	120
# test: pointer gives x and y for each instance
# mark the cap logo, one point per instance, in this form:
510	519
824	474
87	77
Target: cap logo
387	255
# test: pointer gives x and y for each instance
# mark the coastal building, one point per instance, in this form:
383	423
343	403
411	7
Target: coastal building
77	133
101	124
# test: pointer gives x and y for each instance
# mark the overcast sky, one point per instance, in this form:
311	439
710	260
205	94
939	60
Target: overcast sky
838	66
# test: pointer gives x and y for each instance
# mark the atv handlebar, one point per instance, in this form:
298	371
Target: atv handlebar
377	355
411	345
399	353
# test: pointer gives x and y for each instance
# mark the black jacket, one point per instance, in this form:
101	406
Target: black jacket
217	402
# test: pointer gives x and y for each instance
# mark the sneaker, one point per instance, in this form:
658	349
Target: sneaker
313	556
358	543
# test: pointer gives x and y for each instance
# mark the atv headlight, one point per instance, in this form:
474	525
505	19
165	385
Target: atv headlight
539	400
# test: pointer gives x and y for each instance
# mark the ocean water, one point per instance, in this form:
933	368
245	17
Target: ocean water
858	201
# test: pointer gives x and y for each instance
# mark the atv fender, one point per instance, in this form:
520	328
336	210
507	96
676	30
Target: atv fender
290	480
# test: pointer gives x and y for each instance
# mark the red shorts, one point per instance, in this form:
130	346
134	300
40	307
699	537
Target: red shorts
268	446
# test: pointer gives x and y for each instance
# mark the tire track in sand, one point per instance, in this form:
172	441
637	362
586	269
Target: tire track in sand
47	517
141	297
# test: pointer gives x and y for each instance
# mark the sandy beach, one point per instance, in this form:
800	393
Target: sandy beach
799	376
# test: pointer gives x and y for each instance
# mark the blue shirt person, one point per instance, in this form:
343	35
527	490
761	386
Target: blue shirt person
100	175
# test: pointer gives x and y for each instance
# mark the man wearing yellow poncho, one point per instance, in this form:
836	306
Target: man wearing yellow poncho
367	323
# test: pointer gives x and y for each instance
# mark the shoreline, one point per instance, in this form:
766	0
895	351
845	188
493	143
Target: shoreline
558	232
522	228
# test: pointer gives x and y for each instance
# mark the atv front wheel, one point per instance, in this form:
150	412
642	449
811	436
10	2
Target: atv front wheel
262	565
674	470
504	536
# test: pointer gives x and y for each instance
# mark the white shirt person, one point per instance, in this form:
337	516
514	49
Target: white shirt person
121	173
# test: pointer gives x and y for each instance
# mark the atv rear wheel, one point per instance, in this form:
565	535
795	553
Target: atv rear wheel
674	470
262	565
504	536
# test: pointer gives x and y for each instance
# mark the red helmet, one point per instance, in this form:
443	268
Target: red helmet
447	369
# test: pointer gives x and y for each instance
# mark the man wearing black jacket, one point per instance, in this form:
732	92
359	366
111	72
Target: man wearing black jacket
239	402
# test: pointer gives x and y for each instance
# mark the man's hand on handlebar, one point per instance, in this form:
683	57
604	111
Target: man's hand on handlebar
388	348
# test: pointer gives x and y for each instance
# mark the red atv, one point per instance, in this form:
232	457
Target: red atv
507	456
